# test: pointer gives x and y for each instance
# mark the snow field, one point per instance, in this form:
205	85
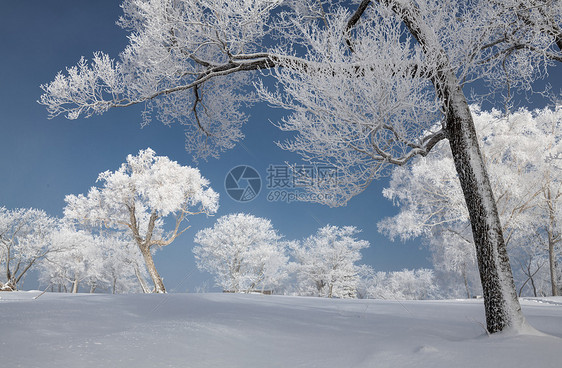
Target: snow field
234	330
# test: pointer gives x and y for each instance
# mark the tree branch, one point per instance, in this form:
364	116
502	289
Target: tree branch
356	16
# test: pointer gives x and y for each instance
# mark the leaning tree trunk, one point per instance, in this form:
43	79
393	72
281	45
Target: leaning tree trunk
142	282
144	247
500	296
151	267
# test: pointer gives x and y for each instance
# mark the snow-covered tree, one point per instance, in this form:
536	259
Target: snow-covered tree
75	258
103	261
521	151
325	263
416	284
366	81
123	269
243	252
136	199
454	260
24	240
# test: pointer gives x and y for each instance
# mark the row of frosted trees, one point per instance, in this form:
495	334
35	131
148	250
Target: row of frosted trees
245	254
66	257
107	237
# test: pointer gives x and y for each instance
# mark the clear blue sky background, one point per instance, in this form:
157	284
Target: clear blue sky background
42	160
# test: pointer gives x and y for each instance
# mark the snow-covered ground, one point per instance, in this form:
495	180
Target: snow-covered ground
228	330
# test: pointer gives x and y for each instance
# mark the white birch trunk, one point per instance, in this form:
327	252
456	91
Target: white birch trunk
74	287
142	282
154	275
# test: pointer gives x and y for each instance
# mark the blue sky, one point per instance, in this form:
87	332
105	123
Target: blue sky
42	160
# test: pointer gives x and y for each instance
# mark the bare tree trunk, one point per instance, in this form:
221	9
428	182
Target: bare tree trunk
142	282
553	238
144	247
522	286
74	287
552	265
534	287
319	286
465	279
530	275
500	296
154	275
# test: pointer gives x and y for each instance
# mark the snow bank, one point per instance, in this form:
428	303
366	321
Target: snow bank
231	330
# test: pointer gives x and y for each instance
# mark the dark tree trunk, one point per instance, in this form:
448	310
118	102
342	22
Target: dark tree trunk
500	296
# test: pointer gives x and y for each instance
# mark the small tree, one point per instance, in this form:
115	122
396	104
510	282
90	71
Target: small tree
243	252
24	240
325	262
138	197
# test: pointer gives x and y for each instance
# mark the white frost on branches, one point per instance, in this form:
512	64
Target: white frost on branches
24	241
172	43
104	261
325	263
401	285
137	197
243	252
523	153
